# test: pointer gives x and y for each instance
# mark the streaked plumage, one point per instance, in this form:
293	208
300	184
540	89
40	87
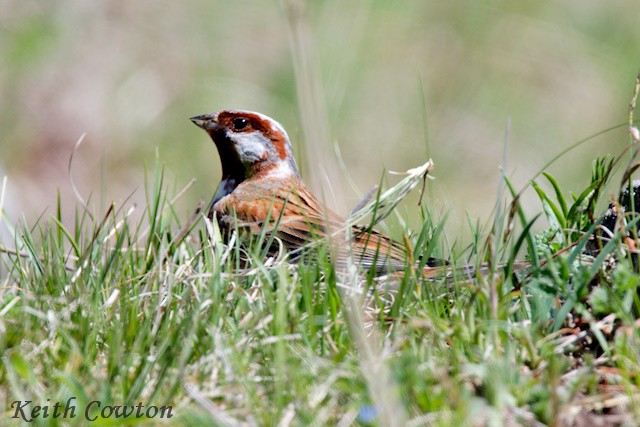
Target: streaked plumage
261	192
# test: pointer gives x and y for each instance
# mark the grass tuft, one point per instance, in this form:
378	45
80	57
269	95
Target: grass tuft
123	312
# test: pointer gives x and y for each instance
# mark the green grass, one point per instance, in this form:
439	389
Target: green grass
123	311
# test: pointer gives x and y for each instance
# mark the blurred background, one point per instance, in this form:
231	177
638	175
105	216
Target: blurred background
389	83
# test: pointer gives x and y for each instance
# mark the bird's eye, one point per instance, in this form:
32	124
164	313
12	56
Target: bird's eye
240	123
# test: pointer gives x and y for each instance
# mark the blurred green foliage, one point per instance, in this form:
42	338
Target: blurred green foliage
400	82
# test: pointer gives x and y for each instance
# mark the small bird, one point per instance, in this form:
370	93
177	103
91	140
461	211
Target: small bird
261	193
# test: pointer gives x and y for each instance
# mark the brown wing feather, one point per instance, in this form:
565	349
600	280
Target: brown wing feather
378	251
299	219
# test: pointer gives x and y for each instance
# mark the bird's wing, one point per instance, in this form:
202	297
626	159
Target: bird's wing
288	208
300	220
373	249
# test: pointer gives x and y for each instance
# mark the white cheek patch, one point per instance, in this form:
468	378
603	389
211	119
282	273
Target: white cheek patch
282	170
251	146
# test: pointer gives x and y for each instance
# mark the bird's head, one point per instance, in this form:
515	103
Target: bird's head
250	145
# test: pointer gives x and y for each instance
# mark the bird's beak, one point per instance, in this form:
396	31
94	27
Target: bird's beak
206	121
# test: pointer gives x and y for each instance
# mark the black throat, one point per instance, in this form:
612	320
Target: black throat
233	171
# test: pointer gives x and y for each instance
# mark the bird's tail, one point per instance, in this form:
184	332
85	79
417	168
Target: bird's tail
469	272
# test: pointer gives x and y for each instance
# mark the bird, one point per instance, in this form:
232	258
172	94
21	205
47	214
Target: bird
262	194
